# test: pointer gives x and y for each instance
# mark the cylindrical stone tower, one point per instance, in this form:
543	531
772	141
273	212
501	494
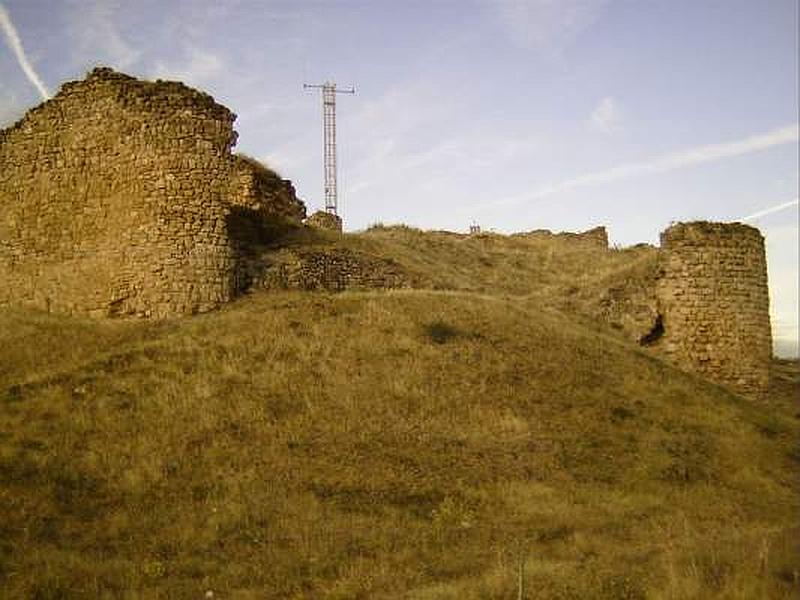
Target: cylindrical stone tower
714	303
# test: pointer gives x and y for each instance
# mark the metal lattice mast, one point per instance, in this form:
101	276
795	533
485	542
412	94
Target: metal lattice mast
329	92
329	141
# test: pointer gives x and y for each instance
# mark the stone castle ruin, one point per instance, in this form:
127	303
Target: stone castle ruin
123	197
700	300
713	303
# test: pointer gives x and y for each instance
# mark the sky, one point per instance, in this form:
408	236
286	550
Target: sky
515	115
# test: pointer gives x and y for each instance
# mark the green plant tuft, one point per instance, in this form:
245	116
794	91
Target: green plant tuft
440	332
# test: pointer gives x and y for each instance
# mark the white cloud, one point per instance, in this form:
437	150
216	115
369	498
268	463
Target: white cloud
546	25
97	34
261	109
384	133
492	151
15	44
413	133
605	117
661	164
287	157
403	108
200	67
771	209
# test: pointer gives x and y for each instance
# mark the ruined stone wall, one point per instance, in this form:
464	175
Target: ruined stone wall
334	269
325	220
591	238
121	196
714	303
628	299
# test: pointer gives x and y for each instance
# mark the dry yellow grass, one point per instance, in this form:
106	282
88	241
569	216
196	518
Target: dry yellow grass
408	444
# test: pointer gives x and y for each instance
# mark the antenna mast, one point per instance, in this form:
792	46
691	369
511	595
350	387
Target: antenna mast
329	91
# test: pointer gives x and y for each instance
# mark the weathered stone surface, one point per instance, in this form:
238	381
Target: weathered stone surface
333	269
629	301
701	301
121	196
714	303
325	220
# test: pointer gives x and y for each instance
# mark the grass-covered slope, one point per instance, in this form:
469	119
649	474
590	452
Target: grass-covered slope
613	287
414	444
547	267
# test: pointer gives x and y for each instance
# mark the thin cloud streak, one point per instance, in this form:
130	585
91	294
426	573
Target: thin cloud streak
662	164
772	209
15	44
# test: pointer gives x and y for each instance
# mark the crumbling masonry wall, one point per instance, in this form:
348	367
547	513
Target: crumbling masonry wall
325	220
714	303
334	269
121	196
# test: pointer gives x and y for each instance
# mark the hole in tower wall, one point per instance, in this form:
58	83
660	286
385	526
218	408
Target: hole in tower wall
654	334
247	234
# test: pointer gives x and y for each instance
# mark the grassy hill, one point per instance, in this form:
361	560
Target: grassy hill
424	444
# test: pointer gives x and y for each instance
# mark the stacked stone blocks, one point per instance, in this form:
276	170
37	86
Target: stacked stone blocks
119	196
325	220
334	269
714	302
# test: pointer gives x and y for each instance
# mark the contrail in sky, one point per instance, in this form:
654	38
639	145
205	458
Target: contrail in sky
13	41
772	209
662	164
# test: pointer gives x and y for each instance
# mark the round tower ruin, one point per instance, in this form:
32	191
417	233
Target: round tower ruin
120	196
714	303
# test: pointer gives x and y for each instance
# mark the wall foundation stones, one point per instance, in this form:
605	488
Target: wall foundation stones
333	269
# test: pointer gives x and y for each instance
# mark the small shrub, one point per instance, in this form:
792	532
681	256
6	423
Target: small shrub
14	393
440	332
691	460
452	514
620	413
555	534
770	426
153	569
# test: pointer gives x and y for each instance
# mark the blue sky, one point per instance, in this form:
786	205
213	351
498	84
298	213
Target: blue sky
558	114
